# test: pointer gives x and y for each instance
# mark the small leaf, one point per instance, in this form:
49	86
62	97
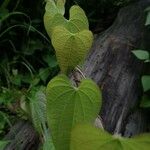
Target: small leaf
145	102
38	109
146	82
141	54
68	105
86	137
148	19
71	49
44	73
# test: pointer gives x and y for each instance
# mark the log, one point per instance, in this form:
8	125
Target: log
115	69
22	137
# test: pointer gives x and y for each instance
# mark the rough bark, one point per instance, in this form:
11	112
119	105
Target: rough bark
115	69
22	137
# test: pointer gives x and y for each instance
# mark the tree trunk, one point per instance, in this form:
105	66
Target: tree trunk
22	137
116	70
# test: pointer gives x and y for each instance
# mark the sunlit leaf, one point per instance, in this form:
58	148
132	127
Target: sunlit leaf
51	10
141	54
68	105
54	17
71	49
87	137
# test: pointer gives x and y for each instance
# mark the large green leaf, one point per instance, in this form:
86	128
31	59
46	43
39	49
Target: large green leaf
71	49
68	105
87	137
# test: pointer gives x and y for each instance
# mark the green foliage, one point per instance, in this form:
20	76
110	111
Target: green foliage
4	121
145	103
68	105
70	38
48	143
71	49
37	104
86	137
146	82
141	54
3	144
145	56
27	60
53	15
148	16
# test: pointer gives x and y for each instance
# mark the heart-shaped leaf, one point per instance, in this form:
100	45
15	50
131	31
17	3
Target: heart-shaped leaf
77	20
71	49
52	9
68	105
54	17
87	137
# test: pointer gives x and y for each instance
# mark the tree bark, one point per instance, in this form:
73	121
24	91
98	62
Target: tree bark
116	70
22	137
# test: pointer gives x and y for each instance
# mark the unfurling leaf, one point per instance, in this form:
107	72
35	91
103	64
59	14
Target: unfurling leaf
68	105
71	49
87	137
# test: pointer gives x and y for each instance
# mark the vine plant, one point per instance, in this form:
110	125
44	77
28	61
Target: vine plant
68	105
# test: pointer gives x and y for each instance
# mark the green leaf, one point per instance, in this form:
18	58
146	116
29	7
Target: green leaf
48	143
60	5
148	19
3	144
77	20
54	17
146	82
141	54
87	137
52	9
38	109
44	73
68	105
71	49
145	102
